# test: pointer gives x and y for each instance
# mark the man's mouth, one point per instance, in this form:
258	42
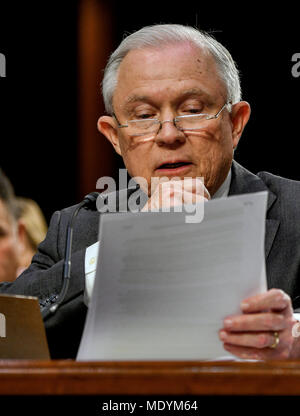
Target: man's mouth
174	167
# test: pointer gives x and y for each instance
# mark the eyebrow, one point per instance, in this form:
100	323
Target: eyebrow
199	92
186	93
135	98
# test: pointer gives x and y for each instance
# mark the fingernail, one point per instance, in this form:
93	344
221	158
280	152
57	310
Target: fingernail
227	322
245	305
284	297
223	335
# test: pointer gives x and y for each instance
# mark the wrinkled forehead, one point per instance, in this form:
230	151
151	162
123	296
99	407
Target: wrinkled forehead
173	64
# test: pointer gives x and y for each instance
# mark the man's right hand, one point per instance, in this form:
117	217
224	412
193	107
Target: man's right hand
171	193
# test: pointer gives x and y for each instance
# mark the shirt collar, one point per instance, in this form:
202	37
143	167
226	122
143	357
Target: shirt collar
223	191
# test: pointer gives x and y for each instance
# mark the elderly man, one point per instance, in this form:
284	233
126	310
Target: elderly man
172	95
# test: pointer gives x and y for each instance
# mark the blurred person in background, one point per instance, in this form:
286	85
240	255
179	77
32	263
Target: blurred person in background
34	225
22	228
10	231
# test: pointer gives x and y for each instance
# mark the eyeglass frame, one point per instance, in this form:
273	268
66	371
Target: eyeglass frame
209	117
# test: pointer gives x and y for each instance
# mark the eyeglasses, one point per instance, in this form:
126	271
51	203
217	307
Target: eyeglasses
147	129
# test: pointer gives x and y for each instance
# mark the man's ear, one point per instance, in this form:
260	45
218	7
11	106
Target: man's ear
240	115
107	126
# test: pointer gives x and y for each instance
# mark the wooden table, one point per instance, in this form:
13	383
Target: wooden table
68	377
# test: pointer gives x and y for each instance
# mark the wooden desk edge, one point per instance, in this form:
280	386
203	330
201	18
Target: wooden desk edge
68	377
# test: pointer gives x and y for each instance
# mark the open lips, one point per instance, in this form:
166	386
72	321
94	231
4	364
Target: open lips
176	166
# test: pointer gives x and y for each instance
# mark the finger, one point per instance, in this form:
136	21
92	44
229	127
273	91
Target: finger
182	199
194	185
163	195
255	340
171	198
176	193
174	196
190	198
281	353
269	321
248	353
274	299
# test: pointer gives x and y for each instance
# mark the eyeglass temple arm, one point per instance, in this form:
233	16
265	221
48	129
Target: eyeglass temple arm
220	111
119	124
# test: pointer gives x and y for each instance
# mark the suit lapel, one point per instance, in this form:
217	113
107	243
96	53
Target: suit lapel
243	182
271	230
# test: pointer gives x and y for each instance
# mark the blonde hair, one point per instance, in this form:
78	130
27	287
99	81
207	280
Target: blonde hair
33	219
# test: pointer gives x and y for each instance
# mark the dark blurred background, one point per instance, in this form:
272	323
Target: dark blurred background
50	99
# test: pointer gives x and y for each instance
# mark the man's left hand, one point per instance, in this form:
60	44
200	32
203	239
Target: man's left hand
264	329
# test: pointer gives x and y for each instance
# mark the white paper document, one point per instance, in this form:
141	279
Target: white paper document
164	286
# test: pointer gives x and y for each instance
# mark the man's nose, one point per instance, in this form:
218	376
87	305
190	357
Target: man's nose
169	133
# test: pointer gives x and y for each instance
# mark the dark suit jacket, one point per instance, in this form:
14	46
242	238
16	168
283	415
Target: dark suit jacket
44	277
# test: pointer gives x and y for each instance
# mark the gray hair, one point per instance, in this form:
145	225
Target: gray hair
157	35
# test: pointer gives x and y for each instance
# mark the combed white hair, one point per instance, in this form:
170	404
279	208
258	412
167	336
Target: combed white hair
164	34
